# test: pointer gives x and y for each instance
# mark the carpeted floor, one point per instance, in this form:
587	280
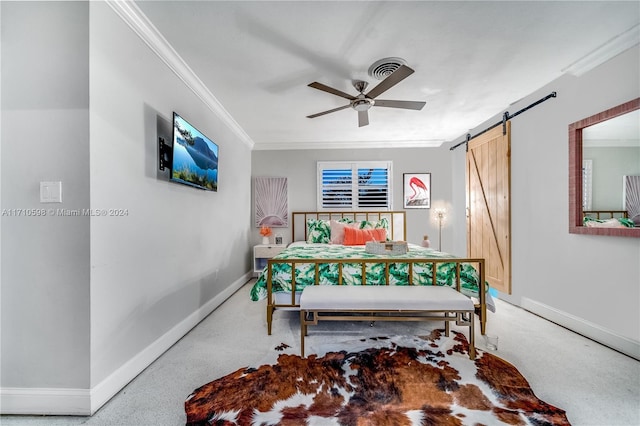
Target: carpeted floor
594	384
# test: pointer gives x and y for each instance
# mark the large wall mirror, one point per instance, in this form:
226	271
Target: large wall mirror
604	172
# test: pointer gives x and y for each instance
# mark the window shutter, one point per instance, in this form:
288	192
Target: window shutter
337	188
354	186
373	188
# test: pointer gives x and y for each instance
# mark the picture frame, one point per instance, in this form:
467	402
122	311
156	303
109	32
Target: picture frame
271	202
416	190
278	239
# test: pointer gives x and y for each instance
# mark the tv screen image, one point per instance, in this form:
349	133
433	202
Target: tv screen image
195	156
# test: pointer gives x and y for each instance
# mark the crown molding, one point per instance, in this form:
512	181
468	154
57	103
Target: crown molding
604	52
274	146
131	14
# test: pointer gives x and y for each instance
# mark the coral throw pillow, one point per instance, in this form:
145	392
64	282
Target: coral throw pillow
359	237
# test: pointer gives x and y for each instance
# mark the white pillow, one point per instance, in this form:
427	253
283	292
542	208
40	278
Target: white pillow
337	230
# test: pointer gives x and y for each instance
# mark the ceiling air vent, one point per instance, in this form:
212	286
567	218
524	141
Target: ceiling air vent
382	68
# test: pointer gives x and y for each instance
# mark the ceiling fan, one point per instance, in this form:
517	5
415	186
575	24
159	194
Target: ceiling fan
363	102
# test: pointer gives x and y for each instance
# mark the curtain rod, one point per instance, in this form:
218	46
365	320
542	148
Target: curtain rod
505	117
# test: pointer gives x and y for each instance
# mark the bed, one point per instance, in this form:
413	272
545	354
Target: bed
320	255
607	219
605	214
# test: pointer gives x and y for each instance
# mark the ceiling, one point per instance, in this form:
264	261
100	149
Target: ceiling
623	130
471	61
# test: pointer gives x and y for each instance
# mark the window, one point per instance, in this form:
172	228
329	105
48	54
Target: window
361	185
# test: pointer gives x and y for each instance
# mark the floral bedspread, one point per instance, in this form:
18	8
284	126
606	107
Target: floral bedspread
375	272
616	222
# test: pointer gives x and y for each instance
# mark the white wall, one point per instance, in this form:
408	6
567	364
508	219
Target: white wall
610	164
589	283
299	166
178	247
45	132
89	302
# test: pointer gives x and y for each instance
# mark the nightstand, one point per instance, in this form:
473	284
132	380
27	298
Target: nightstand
262	253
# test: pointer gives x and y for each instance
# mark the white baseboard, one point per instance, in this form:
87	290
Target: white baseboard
111	385
45	401
85	402
581	326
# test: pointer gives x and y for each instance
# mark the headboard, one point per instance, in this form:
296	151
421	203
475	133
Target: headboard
608	214
397	221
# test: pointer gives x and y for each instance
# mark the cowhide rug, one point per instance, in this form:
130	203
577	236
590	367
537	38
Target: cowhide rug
402	381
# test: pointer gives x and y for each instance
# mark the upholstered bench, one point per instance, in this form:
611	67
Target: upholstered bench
385	303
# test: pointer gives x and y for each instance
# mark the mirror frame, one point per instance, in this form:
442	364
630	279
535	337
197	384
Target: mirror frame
575	172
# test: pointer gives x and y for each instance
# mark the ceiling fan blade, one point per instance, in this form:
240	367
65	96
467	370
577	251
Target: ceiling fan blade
394	78
417	105
363	118
331	90
328	112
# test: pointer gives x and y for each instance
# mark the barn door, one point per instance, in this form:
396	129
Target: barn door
489	204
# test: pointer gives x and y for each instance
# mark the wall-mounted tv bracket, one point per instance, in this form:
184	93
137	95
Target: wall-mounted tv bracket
165	154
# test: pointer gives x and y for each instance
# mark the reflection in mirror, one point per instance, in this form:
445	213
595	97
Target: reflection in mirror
611	170
604	167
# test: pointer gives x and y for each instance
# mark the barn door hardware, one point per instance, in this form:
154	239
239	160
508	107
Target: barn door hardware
505	117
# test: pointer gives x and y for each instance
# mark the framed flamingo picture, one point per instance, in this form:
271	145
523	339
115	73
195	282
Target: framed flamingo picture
417	190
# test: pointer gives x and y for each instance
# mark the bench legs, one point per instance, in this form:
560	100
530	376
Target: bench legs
312	317
472	336
446	324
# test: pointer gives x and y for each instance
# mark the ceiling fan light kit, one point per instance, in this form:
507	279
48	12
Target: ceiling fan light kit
363	102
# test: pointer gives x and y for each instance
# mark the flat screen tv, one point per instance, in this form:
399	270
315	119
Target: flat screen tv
195	156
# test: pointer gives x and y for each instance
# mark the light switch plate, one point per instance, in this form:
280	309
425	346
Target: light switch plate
50	192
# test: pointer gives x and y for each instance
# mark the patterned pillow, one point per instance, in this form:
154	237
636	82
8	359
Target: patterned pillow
382	223
346	220
318	231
